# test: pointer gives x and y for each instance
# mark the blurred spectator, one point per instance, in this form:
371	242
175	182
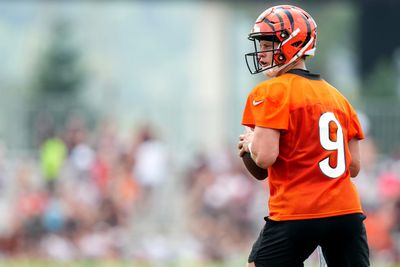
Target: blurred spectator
151	171
81	154
112	203
124	189
58	248
396	230
52	156
389	186
378	225
220	207
366	181
151	162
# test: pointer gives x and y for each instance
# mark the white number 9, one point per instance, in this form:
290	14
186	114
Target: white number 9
328	144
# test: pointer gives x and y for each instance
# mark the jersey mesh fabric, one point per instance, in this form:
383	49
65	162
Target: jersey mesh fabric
299	189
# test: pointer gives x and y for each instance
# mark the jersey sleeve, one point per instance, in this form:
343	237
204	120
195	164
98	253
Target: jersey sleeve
267	106
355	129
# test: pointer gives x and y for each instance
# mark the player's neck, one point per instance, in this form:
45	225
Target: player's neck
299	65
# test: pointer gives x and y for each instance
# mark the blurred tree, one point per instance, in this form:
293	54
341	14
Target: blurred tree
382	83
377	39
60	73
58	82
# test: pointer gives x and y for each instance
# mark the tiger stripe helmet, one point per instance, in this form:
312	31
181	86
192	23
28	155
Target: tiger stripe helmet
292	28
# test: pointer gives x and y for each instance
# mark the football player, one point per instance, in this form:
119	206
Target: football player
306	133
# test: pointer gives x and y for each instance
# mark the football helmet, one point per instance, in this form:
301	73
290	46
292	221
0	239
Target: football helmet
293	33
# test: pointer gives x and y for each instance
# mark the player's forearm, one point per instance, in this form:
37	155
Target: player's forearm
354	168
264	158
355	164
265	146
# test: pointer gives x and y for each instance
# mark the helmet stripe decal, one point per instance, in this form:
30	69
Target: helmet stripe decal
269	24
308	29
290	17
280	20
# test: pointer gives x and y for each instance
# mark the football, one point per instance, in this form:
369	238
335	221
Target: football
254	170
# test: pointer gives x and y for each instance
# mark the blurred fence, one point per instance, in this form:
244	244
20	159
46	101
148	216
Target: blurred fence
383	117
22	124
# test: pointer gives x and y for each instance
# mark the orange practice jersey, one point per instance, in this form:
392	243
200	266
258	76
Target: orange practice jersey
310	178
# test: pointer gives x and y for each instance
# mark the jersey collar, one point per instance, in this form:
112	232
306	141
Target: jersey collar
305	73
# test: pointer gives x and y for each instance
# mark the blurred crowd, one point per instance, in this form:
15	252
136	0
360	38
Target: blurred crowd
88	194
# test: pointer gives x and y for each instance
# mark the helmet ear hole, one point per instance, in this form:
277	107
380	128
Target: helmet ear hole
284	35
281	58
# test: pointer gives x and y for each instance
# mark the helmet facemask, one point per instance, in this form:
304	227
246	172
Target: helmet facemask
277	57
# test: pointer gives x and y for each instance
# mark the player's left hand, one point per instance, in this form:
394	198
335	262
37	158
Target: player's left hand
244	140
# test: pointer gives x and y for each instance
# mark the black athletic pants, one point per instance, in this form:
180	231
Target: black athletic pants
289	243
